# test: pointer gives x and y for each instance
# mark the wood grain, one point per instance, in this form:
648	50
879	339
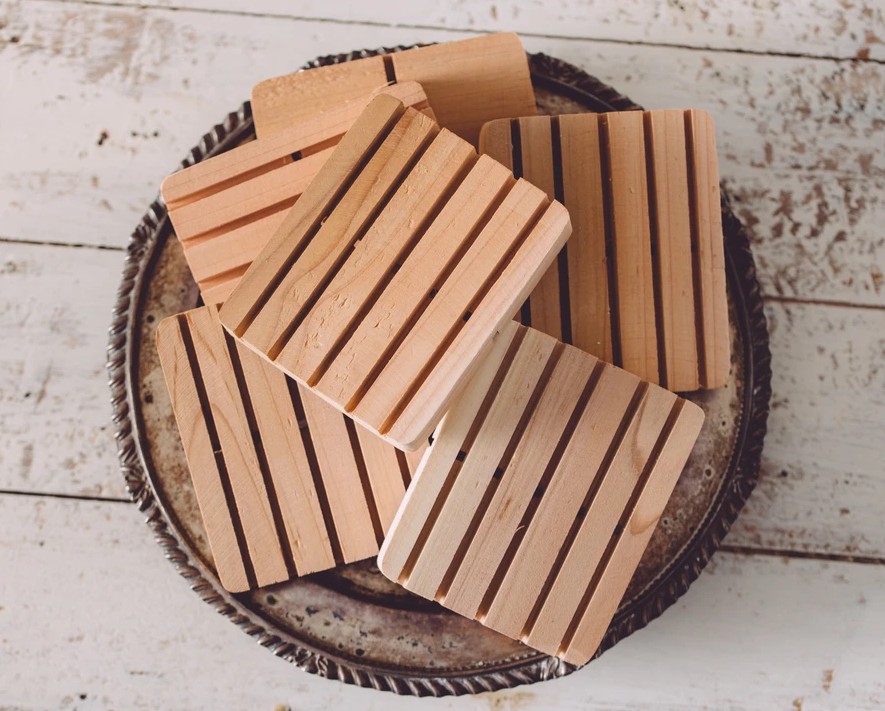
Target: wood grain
352	243
533	505
286	485
642	281
467	82
226	208
792	27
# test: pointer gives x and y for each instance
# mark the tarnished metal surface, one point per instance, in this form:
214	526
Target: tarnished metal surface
351	623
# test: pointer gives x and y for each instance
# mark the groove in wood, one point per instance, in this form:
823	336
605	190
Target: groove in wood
468	82
641	282
286	484
543	484
387	280
226	208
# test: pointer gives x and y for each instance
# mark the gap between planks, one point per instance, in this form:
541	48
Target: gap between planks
464	30
72	497
72	245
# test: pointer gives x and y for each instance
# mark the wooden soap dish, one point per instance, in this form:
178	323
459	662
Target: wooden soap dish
641	282
539	493
384	285
286	485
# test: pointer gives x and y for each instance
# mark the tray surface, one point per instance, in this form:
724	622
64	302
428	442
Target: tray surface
351	623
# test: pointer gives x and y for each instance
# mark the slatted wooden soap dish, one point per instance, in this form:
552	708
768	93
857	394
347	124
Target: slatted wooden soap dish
362	267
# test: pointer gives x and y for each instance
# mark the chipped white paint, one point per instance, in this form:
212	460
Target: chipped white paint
106	99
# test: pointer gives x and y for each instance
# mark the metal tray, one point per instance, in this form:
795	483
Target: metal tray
351	624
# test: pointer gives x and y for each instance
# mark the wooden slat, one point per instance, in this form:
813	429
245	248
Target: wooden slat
305	218
413	459
468	83
710	253
437	253
335	239
537	167
665	143
543	492
477	470
386	282
293	97
638	529
286	485
511	287
586	551
644	267
451	303
221	260
239	450
226	208
343	485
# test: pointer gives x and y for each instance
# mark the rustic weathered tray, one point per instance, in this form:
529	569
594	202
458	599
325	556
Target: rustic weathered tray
352	624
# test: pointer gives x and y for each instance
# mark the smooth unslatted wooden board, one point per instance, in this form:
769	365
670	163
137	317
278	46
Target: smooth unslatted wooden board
386	282
468	83
539	493
641	282
226	208
286	484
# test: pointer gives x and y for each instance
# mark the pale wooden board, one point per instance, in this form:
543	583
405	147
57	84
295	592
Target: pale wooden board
800	161
828	501
283	485
822	474
354	241
468	83
647	248
739	639
226	208
55	427
540	492
830	29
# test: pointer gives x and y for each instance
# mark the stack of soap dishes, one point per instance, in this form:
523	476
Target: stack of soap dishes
462	362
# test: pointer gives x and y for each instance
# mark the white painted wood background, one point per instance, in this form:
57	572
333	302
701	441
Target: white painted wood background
101	99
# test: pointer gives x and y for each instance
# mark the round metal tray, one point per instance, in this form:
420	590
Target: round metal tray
351	623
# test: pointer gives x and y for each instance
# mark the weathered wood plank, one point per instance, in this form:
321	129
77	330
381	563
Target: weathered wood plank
831	29
796	137
740	639
824	431
822	475
56	433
